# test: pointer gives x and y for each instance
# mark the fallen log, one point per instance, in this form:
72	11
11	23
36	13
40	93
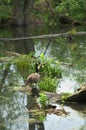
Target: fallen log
53	97
80	96
41	36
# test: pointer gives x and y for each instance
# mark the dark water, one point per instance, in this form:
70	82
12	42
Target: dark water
13	105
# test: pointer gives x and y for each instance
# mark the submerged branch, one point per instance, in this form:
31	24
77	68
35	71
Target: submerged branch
41	36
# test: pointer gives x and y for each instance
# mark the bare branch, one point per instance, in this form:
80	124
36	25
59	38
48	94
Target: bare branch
41	36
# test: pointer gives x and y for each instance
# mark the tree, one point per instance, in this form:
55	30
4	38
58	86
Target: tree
22	10
18	9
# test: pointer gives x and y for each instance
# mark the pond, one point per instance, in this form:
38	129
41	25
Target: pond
13	104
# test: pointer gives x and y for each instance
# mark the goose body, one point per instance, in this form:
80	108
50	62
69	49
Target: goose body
32	78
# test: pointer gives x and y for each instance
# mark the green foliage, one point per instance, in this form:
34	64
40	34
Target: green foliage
48	84
48	67
74	8
48	70
5	32
25	65
42	117
43	100
72	32
49	11
5	2
65	96
5	9
52	11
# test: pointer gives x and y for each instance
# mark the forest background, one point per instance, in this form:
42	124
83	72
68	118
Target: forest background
50	12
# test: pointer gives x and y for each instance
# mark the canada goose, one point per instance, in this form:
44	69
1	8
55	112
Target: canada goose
33	78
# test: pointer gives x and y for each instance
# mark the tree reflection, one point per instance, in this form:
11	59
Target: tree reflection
12	111
20	46
31	105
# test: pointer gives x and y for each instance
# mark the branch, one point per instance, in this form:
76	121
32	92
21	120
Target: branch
10	53
41	36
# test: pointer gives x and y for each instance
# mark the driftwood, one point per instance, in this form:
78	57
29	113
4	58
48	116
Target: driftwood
65	63
14	54
10	53
41	36
53	97
6	59
80	96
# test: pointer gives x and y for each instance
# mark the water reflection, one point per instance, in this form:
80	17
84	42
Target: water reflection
9	76
73	121
13	111
67	85
13	114
32	106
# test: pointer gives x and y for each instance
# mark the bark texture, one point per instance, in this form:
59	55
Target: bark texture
22	10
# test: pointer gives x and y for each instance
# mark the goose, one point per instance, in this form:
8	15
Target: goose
33	78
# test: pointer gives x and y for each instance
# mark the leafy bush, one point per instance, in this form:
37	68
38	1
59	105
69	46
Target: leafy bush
43	100
48	84
65	96
48	67
74	8
48	70
5	9
25	65
69	10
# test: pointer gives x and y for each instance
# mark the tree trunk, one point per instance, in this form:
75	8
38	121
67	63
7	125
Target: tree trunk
28	10
22	10
19	12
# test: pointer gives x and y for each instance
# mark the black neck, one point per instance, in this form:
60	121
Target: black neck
37	67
